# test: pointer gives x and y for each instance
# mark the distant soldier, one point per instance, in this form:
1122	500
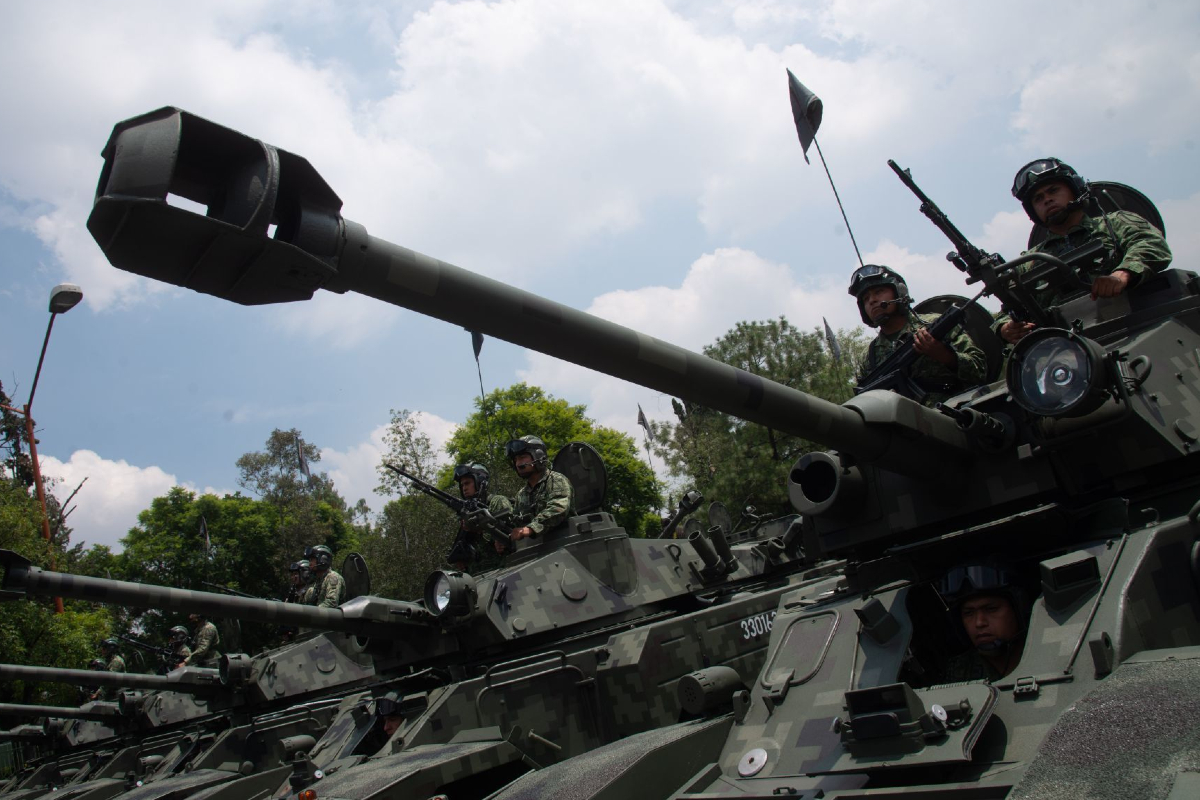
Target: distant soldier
110	648
329	586
301	580
546	499
204	645
178	638
1056	196
94	692
467	554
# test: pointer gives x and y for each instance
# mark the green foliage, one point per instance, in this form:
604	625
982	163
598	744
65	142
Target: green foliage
742	463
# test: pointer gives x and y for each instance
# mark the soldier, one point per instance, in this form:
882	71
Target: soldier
945	368
472	482
992	610
329	588
1054	195
546	499
301	579
98	692
178	637
204	646
109	648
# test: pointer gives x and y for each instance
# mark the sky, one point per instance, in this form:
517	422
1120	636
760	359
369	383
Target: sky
633	158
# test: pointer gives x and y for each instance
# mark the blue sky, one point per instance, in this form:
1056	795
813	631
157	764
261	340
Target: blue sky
633	158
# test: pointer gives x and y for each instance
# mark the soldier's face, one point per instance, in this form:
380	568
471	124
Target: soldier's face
466	486
989	618
295	579
523	465
874	301
392	724
1050	202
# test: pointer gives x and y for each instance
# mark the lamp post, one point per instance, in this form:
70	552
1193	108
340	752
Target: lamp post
63	298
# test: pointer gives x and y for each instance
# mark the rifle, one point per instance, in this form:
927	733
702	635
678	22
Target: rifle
227	590
471	511
166	656
893	372
990	268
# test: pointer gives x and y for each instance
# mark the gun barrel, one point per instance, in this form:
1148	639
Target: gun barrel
189	680
21	578
248	185
96	711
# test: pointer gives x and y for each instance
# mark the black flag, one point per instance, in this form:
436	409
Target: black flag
645	423
832	341
476	343
806	111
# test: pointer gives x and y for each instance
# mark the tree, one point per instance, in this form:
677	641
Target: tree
742	463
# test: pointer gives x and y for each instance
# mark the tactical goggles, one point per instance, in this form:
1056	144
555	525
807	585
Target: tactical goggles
864	273
975	578
516	447
1033	172
463	471
387	706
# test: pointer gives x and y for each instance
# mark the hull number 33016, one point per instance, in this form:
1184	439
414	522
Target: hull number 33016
758	625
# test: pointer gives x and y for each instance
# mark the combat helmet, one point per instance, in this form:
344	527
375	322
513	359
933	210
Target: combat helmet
477	471
178	634
972	579
321	554
528	444
1041	171
869	276
97	664
109	645
303	567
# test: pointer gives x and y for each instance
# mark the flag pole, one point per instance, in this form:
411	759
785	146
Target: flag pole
838	198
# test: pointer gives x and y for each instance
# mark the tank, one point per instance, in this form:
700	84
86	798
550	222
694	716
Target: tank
1078	470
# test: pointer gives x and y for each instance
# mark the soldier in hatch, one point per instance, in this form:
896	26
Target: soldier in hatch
546	499
329	588
944	368
466	554
204	645
1054	195
994	614
179	644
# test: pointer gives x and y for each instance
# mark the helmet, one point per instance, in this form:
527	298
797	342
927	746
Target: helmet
869	276
109	644
1041	171
389	704
321	554
302	567
477	471
969	580
178	634
97	664
527	444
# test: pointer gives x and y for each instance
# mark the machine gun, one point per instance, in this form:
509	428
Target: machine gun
226	590
893	373
165	654
471	511
990	268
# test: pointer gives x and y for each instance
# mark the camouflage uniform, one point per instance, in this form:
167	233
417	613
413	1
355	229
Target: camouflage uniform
546	504
486	558
330	591
182	653
205	650
939	380
116	664
1144	250
307	593
969	666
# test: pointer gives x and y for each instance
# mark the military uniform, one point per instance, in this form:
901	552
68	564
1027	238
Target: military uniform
484	558
938	380
1138	244
546	504
182	653
205	650
116	664
969	666
329	592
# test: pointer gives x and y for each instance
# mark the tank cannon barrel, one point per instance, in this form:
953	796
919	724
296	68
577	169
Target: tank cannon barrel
189	680
96	711
362	616
248	186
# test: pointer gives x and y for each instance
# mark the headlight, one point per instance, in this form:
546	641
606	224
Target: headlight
450	593
1057	373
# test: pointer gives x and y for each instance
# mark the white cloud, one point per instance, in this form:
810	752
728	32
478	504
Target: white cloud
109	502
337	321
354	469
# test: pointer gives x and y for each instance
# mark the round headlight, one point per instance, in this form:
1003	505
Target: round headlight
450	593
1056	373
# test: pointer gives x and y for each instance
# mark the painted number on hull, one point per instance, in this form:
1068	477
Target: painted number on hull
758	625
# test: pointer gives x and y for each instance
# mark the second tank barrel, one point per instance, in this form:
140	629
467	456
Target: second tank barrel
187	680
98	711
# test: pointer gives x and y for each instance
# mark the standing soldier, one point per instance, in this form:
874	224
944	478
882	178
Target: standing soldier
472	480
204	648
109	648
97	692
329	587
179	644
300	582
546	499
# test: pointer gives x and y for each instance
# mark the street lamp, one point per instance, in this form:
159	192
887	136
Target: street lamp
63	298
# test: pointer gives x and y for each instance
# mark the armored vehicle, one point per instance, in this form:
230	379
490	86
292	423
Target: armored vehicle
1075	471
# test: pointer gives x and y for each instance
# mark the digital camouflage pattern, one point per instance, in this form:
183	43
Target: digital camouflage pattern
329	591
939	380
205	646
547	504
480	541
